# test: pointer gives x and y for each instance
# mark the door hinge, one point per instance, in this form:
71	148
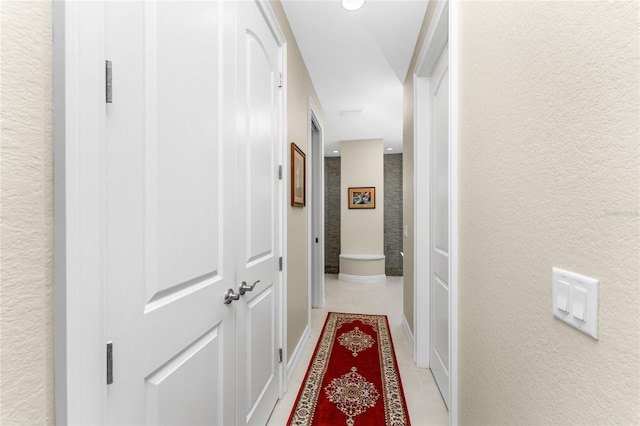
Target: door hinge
109	82
109	363
280	80
280	172
280	264
280	355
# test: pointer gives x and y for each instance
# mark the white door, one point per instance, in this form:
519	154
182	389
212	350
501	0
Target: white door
169	217
440	227
257	213
317	217
180	210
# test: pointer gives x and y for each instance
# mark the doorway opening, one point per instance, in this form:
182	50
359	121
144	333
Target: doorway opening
316	239
436	206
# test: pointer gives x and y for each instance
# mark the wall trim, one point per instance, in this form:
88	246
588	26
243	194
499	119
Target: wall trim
362	256
297	353
362	279
435	40
80	393
407	331
270	17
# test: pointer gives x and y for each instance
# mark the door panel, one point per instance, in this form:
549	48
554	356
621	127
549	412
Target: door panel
441	343
186	380
187	124
258	210
183	160
169	219
260	148
440	114
260	336
440	232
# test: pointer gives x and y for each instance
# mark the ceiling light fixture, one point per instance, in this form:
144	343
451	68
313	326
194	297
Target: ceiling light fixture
352	5
389	149
335	151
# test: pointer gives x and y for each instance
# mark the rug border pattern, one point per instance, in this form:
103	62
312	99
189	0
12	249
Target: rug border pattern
392	393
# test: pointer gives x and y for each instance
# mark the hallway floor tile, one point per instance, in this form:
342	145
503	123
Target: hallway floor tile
424	402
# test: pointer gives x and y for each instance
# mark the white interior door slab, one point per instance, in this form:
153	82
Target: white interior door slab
317	216
169	219
440	226
258	212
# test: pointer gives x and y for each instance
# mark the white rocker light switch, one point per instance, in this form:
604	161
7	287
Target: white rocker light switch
579	303
562	297
575	300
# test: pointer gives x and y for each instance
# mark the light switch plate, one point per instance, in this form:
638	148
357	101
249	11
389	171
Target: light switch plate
582	300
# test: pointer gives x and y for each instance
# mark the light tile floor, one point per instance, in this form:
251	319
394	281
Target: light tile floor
424	402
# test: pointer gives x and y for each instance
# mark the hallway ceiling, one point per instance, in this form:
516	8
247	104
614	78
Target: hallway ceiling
358	62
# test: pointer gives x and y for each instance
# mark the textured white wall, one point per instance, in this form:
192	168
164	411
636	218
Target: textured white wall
549	176
26	197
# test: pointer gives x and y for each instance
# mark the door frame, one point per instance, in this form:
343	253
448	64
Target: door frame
442	30
78	123
316	201
79	282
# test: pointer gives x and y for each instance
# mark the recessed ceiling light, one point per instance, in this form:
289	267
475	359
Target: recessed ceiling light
352	4
389	149
335	151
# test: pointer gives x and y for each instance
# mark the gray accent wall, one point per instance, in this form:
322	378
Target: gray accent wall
393	214
331	215
392	211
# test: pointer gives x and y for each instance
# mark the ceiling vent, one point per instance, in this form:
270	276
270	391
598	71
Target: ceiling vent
347	112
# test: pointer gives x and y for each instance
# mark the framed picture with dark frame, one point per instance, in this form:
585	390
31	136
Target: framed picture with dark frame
362	197
298	176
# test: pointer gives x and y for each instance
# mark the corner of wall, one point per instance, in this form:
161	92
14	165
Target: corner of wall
26	312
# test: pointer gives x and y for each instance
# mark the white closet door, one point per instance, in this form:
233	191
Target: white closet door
170	219
258	214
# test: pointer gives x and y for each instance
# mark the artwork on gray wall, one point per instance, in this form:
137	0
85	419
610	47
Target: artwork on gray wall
362	197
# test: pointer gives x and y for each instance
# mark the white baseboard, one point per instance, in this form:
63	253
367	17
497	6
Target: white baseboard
363	256
407	330
362	279
295	356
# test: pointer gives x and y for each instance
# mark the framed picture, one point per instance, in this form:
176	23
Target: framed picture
362	197
298	176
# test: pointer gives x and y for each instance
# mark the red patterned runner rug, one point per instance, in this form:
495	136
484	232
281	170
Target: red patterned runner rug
353	376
